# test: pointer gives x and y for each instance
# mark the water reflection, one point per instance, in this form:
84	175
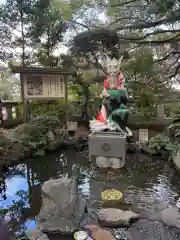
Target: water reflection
147	185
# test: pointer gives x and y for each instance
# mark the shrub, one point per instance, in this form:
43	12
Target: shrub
163	142
47	122
56	109
38	142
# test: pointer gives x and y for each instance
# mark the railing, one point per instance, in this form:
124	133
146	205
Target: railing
12	113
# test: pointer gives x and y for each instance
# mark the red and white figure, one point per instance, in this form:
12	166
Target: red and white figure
115	80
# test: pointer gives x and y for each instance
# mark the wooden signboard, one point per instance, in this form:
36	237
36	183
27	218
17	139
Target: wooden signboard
39	83
43	86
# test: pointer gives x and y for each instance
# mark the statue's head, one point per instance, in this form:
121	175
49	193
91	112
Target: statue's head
113	66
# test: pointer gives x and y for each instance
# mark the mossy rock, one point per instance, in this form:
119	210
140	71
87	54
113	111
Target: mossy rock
149	151
13	151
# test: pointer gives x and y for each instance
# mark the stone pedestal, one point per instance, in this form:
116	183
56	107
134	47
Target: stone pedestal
108	148
62	208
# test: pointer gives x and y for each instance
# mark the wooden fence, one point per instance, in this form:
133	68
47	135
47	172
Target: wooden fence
12	114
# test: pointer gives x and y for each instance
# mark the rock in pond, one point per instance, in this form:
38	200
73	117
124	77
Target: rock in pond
113	217
171	217
62	208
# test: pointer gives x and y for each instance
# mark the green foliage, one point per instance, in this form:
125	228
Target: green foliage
48	28
9	88
141	62
38	142
175	110
47	122
142	77
33	136
145	106
159	141
54	109
173	131
3	211
163	142
16	46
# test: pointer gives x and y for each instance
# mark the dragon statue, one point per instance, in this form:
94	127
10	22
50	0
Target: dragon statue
114	112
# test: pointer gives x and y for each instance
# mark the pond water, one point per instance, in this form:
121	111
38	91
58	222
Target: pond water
149	185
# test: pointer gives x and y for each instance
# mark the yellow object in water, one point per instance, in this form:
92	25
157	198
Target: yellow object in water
111	195
80	235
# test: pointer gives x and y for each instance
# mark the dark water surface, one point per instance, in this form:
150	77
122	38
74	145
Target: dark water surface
149	185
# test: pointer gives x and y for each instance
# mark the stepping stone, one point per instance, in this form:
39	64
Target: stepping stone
36	234
113	217
171	217
99	233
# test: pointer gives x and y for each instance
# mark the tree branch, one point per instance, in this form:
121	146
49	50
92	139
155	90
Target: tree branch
80	24
172	53
150	34
176	71
168	40
146	25
117	5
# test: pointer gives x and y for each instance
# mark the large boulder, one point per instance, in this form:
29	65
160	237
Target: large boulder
4	231
62	209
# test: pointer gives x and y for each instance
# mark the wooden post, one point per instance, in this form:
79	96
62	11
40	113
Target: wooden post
66	97
17	113
160	112
24	105
1	115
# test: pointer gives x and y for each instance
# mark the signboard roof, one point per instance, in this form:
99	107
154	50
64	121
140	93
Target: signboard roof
41	70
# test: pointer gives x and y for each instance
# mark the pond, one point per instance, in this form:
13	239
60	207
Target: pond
149	185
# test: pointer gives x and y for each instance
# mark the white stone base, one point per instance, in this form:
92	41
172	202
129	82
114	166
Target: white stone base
102	162
116	163
112	162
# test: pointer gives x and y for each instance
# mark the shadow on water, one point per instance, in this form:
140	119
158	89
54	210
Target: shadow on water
148	186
